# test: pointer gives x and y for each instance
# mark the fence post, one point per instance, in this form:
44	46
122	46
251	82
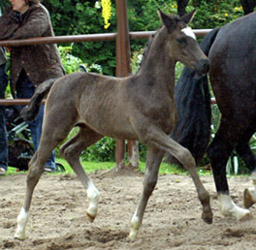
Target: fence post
123	68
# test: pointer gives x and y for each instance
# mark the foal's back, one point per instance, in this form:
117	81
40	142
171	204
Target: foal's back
97	101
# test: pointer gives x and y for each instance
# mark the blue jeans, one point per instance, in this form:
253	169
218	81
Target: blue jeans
3	131
25	89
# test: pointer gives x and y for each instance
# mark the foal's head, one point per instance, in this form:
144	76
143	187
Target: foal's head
182	44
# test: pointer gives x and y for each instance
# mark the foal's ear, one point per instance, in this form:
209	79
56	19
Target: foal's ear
187	18
170	23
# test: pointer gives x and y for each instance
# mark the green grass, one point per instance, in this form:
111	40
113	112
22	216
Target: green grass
94	166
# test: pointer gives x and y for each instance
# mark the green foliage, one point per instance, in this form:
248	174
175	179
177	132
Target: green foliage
211	14
103	150
74	17
72	63
90	167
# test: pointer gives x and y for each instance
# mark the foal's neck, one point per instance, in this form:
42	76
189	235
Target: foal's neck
158	64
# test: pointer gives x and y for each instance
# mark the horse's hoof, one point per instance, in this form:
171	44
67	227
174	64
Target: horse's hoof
247	217
248	199
90	217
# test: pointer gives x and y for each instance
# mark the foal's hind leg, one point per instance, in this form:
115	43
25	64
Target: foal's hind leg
71	151
36	168
52	135
154	158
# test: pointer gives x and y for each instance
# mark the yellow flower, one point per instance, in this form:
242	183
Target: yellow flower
106	12
226	14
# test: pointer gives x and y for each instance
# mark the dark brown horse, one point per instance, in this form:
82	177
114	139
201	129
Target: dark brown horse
139	107
232	55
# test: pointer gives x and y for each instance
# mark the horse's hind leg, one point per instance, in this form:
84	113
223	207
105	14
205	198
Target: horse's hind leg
154	158
71	151
219	152
51	137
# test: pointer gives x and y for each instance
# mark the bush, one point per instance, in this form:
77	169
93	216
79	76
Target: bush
73	17
103	150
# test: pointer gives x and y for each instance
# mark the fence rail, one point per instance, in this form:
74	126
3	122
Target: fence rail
77	38
86	38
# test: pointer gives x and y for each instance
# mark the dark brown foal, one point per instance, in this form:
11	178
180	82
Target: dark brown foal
139	107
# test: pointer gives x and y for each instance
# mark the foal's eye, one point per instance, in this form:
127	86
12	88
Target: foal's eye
182	41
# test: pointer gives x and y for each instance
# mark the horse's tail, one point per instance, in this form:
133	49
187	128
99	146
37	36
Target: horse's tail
193	102
30	112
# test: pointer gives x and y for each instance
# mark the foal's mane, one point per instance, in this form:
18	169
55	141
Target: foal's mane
147	47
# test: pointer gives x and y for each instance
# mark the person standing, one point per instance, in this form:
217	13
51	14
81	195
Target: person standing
31	64
3	131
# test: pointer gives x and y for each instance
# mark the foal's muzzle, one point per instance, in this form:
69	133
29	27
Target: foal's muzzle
202	67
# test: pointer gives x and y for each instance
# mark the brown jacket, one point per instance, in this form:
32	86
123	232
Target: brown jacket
40	62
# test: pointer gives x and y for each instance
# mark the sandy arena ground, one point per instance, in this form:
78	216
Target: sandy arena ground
172	219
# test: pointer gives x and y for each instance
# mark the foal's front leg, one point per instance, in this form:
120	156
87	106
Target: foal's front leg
165	143
154	158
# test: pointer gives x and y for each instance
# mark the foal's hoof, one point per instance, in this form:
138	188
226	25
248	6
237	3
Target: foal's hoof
248	198
132	236
90	217
19	235
207	220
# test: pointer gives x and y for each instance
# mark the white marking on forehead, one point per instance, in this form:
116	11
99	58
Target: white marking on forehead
188	32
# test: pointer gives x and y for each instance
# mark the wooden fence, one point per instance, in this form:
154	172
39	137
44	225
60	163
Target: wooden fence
122	39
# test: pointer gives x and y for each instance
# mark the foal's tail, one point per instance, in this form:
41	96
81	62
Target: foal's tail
193	104
30	112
